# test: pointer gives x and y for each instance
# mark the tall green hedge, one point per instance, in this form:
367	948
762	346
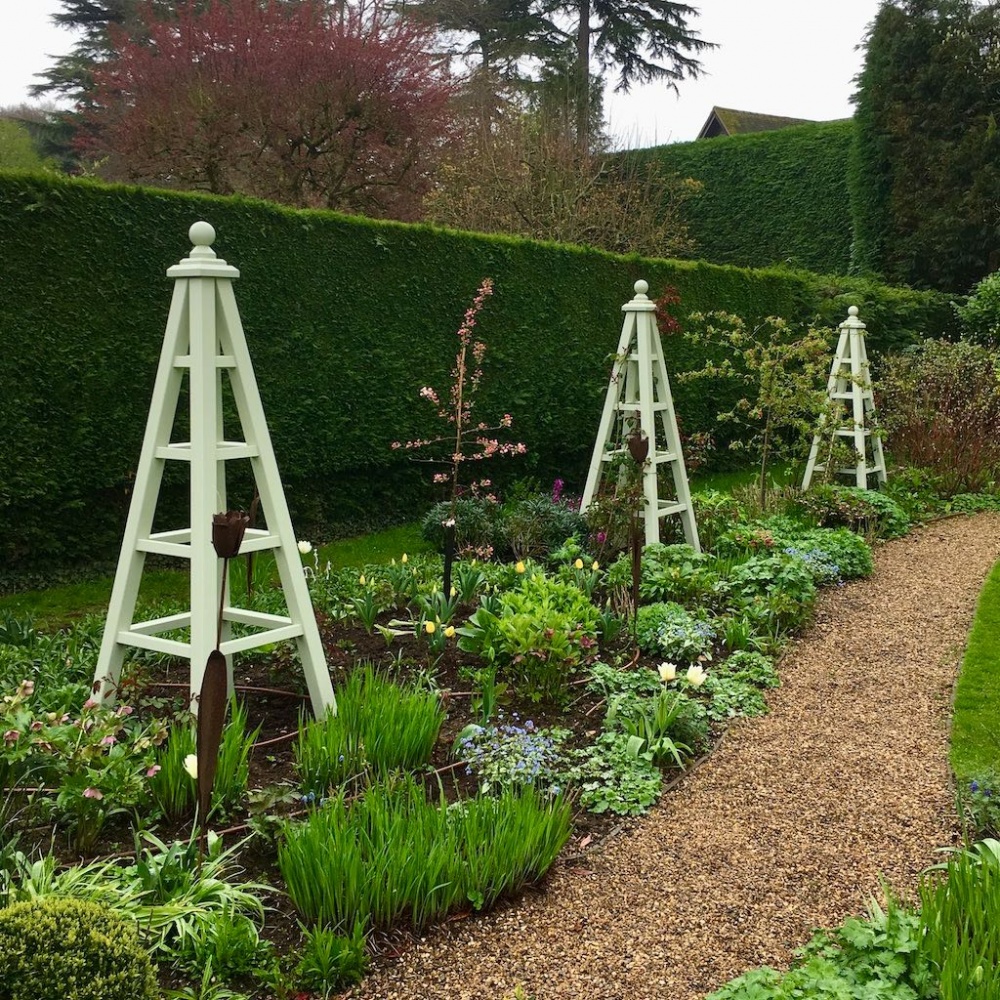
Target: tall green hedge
346	319
769	198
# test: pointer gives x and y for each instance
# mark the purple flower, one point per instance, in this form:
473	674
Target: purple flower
602	537
557	488
11	736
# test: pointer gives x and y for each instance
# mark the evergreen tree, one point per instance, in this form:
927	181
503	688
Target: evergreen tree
926	168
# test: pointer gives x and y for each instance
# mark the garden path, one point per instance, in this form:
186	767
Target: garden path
790	825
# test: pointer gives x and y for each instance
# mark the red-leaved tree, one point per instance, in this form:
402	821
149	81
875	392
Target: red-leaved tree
311	104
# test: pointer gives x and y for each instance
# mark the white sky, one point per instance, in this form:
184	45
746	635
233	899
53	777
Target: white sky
781	57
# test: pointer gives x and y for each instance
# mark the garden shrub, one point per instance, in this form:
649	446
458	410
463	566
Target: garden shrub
866	511
332	961
830	554
521	528
543	631
477	524
667	629
676	573
69	949
940	406
979	315
773	574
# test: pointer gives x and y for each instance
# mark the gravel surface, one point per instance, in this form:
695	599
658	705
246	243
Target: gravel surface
789	826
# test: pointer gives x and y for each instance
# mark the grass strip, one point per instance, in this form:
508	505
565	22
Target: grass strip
975	731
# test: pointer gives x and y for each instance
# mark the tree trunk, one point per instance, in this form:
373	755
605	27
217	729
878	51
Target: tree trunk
583	77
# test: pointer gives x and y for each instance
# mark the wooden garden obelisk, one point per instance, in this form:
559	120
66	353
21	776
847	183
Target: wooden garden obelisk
638	402
849	391
204	338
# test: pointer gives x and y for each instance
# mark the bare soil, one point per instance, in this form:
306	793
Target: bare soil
790	825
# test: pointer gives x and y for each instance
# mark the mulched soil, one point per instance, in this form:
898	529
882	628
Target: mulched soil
790	825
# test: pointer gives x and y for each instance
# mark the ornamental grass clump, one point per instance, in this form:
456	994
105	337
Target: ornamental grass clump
379	727
54	949
393	855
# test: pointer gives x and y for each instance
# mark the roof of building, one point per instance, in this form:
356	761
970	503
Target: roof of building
728	121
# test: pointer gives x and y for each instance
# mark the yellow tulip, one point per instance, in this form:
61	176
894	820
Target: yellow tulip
430	628
519	568
361	579
405	558
449	631
578	564
595	566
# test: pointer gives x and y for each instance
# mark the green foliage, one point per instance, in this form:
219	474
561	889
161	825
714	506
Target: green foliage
521	528
170	892
960	925
673	573
769	198
769	574
379	727
68	949
172	787
940	407
392	854
614	775
926	159
330	961
778	375
654	721
869	512
510	755
979	315
978	804
830	554
667	629
862	960
305	302
543	631
17	150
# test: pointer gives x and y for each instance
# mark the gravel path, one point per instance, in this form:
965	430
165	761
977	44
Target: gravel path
787	827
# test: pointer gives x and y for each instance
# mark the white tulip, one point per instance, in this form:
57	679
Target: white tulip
668	671
305	547
191	765
696	675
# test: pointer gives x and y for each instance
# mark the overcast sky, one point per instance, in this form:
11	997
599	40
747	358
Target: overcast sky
779	57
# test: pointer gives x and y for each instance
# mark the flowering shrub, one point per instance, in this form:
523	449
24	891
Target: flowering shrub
508	754
99	763
467	440
666	629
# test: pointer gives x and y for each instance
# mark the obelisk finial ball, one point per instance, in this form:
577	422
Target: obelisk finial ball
202	234
641	287
852	311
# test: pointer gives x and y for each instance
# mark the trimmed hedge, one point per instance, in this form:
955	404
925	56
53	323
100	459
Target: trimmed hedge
769	198
346	319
